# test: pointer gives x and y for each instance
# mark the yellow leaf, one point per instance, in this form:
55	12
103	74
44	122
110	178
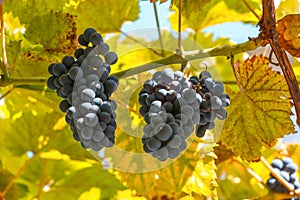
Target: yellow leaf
260	112
289	33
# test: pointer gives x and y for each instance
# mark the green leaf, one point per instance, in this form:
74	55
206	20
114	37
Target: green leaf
60	38
105	16
150	177
260	112
27	133
26	11
78	182
213	13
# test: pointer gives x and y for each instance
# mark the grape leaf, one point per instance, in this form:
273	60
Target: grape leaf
152	178
102	15
26	133
260	112
214	12
203	179
26	11
60	38
288	32
234	181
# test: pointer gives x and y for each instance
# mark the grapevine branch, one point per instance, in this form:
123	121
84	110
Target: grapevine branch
227	51
269	34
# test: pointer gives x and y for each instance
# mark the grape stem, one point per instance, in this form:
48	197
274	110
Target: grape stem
158	29
278	176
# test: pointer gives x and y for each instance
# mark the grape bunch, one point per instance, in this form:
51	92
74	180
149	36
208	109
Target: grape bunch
287	169
213	101
86	86
170	108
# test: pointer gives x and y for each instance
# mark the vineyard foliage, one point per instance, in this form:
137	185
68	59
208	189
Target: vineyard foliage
39	159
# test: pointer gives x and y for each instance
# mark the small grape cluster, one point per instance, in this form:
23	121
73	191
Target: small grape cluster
213	101
170	108
287	169
86	86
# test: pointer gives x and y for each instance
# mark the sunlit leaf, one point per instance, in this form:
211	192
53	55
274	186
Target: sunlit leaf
102	15
212	13
260	112
289	33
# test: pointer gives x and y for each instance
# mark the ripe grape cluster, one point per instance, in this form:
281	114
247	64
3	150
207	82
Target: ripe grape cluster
86	86
287	169
172	104
213	101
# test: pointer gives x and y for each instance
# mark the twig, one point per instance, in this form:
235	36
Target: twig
4	57
139	42
12	181
269	34
277	176
179	27
7	93
158	29
251	8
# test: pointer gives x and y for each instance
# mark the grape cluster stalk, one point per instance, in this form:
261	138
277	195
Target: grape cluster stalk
83	81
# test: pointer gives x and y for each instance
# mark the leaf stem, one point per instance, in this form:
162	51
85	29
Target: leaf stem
158	29
179	27
251	8
233	65
4	56
139	42
7	93
12	181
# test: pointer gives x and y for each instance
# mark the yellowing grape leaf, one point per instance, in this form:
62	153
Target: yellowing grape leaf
203	179
260	112
289	33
